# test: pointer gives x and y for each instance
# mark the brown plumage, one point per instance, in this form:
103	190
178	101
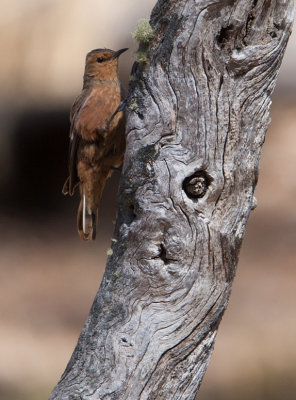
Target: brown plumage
94	149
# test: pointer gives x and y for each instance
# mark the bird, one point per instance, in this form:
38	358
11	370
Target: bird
97	137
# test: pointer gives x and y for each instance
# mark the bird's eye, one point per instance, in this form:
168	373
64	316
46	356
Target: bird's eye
100	59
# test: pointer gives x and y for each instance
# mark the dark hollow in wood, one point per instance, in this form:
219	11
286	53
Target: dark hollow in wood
195	186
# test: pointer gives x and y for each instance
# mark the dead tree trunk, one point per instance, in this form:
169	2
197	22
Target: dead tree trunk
196	124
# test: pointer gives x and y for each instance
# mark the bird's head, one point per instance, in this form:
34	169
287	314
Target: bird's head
102	64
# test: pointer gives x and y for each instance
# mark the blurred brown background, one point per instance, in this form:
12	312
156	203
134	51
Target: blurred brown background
48	277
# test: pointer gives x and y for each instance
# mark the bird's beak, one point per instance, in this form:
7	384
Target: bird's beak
118	52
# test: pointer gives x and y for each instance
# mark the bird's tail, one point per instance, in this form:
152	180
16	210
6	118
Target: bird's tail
87	221
91	189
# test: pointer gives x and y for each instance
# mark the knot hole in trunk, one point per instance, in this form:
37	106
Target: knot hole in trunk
196	185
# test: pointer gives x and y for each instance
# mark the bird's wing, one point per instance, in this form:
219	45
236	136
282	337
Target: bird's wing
73	179
73	176
78	103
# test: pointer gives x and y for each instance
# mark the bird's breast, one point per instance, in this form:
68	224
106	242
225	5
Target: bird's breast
97	110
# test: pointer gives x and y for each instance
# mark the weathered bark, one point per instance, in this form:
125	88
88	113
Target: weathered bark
200	109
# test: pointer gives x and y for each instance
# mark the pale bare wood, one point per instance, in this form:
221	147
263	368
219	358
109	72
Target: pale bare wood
200	104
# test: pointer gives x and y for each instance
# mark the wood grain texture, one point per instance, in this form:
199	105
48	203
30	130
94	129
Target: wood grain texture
203	103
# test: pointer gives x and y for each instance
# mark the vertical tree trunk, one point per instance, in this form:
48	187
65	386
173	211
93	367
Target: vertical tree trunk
195	128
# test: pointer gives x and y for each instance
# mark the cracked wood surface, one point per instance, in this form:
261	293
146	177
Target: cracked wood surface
202	106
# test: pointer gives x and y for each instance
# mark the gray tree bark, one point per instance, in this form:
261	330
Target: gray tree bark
195	127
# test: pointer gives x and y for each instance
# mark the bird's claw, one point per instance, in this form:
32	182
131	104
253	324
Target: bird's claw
121	107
